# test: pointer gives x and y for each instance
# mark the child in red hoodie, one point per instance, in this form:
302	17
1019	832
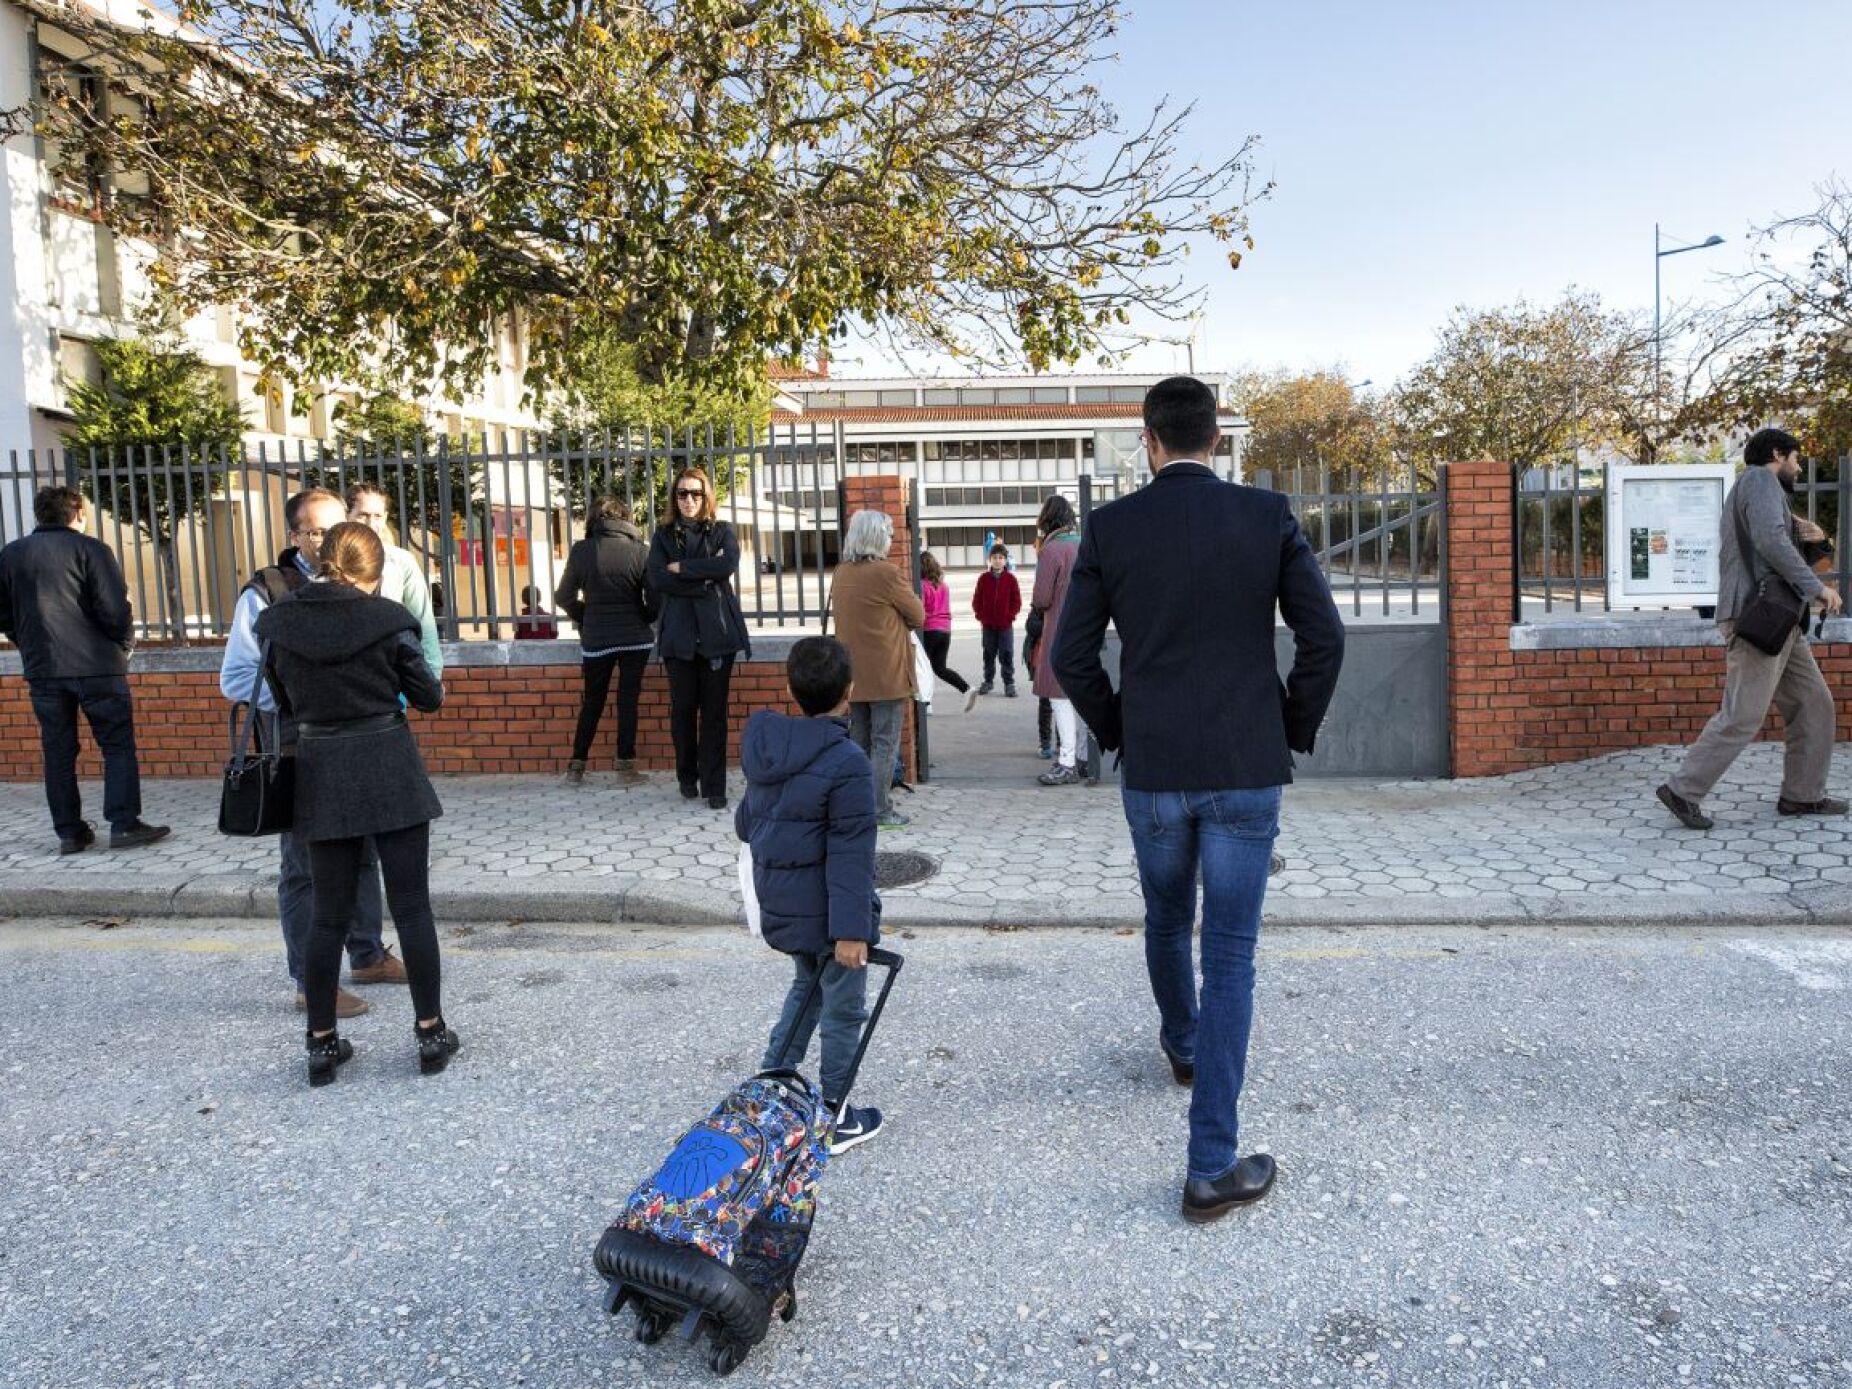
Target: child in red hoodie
996	601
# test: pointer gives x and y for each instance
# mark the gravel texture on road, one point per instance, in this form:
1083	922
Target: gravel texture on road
1511	1156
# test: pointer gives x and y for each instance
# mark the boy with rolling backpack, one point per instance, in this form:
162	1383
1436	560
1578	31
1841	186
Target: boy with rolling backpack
714	1239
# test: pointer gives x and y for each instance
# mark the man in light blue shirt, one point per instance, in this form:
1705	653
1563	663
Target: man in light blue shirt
403	578
308	516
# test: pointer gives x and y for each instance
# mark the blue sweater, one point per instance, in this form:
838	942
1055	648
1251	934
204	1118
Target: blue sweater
809	814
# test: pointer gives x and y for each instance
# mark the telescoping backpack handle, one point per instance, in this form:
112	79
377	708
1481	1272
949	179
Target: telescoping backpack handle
889	960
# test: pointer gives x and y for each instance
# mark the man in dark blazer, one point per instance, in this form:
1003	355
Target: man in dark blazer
1190	571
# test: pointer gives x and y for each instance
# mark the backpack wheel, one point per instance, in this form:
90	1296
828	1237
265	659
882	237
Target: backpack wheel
787	1306
726	1358
653	1326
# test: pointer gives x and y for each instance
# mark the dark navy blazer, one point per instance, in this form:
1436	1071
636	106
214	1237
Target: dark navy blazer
1190	570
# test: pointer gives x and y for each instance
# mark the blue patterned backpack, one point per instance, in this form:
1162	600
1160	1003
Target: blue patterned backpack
715	1237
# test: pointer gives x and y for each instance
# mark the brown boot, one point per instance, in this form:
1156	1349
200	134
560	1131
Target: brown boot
346	1005
387	969
627	773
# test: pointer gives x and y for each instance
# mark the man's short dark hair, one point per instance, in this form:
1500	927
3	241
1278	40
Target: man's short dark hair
1000	549
1180	411
292	509
819	673
57	506
1765	445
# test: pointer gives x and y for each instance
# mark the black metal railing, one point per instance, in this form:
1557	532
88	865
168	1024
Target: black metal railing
1559	532
491	526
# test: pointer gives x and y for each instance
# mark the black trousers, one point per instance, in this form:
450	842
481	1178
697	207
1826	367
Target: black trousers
1045	721
1000	644
938	646
596	673
104	700
698	721
405	863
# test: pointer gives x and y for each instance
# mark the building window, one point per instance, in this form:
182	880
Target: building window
1129	395
897	398
1093	395
939	396
77	181
1015	395
977	395
824	400
860	400
1051	395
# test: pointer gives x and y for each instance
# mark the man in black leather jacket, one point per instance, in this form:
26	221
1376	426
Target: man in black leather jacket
64	604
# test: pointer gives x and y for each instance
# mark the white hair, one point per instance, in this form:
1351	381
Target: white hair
870	536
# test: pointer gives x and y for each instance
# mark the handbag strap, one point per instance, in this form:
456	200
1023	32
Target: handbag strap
241	741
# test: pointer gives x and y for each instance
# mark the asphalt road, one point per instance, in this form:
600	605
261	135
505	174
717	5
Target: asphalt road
1522	1157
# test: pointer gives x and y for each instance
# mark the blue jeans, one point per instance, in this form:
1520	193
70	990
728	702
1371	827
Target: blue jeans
843	1007
296	908
1227	836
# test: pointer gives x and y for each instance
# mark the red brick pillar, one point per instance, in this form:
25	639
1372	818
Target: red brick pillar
1480	560
888	494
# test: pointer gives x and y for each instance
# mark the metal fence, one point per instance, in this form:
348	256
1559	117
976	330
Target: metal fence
1560	532
1382	544
491	527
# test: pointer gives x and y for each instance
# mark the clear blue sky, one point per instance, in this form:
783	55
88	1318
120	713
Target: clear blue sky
1432	153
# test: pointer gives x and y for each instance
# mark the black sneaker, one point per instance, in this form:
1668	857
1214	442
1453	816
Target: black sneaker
854	1126
137	835
1009	692
986	688
690	791
84	838
1687	812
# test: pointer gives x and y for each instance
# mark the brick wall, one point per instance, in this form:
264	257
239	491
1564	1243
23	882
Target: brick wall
496	718
1516	709
503	711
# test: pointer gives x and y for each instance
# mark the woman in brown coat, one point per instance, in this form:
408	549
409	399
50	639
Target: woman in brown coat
875	609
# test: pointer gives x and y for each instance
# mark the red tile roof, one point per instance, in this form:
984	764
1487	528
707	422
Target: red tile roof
929	414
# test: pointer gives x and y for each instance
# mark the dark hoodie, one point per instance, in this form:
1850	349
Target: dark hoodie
603	588
338	656
809	814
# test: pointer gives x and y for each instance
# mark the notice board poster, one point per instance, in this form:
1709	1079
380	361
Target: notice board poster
1662	529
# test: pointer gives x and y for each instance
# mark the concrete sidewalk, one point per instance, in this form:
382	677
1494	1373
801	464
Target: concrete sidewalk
1585	843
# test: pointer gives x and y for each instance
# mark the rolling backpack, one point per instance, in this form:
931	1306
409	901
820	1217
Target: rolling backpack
713	1239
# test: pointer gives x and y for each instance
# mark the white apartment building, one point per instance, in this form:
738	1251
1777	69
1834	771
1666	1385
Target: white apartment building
67	282
985	451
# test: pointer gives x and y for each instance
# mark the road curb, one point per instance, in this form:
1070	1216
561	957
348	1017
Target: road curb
627	899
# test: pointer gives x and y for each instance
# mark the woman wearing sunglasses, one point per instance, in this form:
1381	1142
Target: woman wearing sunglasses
692	562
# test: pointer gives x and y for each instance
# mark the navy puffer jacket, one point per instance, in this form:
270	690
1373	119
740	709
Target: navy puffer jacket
809	814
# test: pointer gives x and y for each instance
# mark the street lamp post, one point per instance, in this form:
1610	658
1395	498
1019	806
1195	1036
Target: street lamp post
1658	344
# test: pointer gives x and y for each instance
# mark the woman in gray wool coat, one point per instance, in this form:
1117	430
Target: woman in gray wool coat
339	658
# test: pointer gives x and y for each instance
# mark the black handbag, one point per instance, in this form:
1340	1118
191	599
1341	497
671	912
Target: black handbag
1768	619
258	795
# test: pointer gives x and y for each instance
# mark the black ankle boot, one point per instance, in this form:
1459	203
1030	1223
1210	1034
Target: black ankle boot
436	1045
325	1053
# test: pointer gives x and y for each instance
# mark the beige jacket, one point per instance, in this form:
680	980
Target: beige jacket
874	608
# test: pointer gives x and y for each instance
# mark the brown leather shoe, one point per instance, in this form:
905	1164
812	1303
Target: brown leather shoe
387	969
346	1005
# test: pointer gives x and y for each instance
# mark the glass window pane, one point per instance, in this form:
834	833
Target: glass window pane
1051	395
939	396
1134	395
860	400
824	400
1015	395
976	395
1093	395
897	397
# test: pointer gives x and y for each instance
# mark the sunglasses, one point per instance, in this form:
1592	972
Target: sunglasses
689	493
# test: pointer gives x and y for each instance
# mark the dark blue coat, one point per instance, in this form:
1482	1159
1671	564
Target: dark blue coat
1190	570
809	814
